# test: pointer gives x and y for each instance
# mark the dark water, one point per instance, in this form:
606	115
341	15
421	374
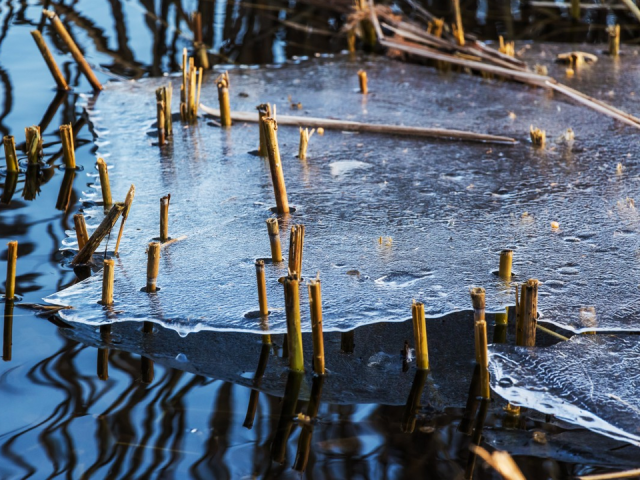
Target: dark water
62	415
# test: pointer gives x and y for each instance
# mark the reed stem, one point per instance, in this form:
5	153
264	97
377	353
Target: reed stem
105	227
614	40
315	305
420	334
161	121
104	183
108	274
125	214
362	78
10	154
164	218
482	354
12	259
262	288
528	314
222	83
83	65
168	121
68	148
294	333
413	401
33	142
264	110
296	243
305	135
275	164
81	230
153	266
538	137
506	261
458	30
274	240
49	60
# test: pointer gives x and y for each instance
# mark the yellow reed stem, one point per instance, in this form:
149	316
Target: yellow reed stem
262	288
164	218
125	214
49	60
305	135
81	230
506	261
296	243
614	40
275	164
274	240
33	143
315	305
153	266
362	78
12	259
294	333
104	183
264	110
420	335
222	83
68	148
458	30
108	274
160	114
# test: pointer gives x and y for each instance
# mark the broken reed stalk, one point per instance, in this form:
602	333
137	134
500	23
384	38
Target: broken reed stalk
104	229
527	314
222	82
538	137
108	274
104	183
190	89
420	334
49	60
362	78
277	177
482	354
10	153
83	65
81	230
33	142
168	121
296	244
164	218
153	266
294	333
161	121
506	261
68	149
199	48
315	305
458	31
305	135
614	40
264	110
125	214
12	259
274	240
262	288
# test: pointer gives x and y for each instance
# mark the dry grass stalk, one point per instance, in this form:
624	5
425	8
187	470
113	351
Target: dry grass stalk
632	7
296	243
264	110
315	304
10	153
262	288
614	40
33	142
305	135
164	218
104	183
420	334
270	128
362	78
435	27
538	137
502	463
274	240
81	230
222	82
153	266
458	30
507	48
506	261
294	333
12	259
190	89
528	314
482	354
125	214
108	273
104	229
83	65
68	148
49	60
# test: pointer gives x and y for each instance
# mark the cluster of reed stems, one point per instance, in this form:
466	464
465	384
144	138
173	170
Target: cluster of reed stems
190	89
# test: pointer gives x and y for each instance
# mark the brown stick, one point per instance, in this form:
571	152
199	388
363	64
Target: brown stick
68	148
315	305
108	274
10	153
164	218
262	288
81	230
73	48
274	240
85	254
125	214
275	164
526	328
12	259
153	266
49	60
312	122
104	183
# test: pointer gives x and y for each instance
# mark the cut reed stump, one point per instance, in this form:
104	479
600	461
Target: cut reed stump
33	144
81	230
153	266
296	244
362	79
262	288
10	154
275	164
12	259
68	149
538	137
482	353
108	274
274	240
506	261
160	114
315	304
83	65
125	214
222	82
420	334
165	123
104	229
294	333
527	314
200	50
614	40
49	60
104	183
305	135
264	111
164	218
